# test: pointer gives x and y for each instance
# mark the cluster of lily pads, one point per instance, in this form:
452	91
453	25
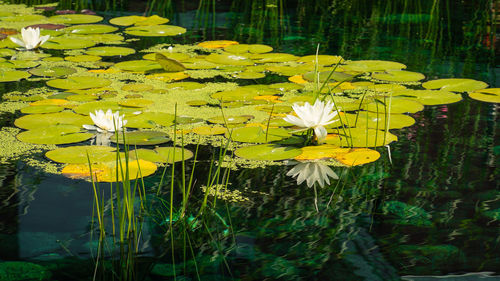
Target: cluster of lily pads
93	92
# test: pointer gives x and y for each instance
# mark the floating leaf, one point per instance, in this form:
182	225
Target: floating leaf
135	102
108	51
321	59
13	75
171	55
90	29
431	97
185	85
168	76
138	65
162	154
373	65
360	137
67	43
358	156
397	105
257	134
75	19
487	95
151	120
137	87
79	82
42	109
106	172
18	64
168	64
319	152
88	107
56	134
217	44
83	58
455	85
52	71
229	119
83	153
270	152
333	77
35	121
398	76
138	20
229	59
155	30
273	57
141	138
372	120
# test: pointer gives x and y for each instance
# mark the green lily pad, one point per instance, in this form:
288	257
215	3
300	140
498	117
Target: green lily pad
334	77
244	48
268	152
138	65
18	64
372	65
7	52
273	57
287	70
249	75
56	134
13	75
83	58
274	108
162	154
487	95
108	51
106	38
34	121
169	64
360	137
24	18
141	138
398	76
257	134
176	56
321	59
90	29
229	59
138	20
431	97
82	154
82	98
155	30
230	120
455	85
67	43
52	71
185	85
138	103
150	120
79	82
75	19
398	105
365	119
42	109
286	86
88	107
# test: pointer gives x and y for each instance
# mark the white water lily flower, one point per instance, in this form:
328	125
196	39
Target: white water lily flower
312	172
31	38
313	117
106	122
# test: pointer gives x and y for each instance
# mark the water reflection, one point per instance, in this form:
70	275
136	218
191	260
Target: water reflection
312	172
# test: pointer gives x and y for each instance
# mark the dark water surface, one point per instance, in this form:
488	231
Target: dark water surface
446	166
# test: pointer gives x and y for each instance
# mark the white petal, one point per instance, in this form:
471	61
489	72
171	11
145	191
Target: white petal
90	127
17	41
320	133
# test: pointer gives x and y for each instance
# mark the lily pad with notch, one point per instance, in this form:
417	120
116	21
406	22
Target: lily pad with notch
107	171
140	138
79	82
162	154
90	29
52	71
34	121
75	19
108	51
83	154
268	152
455	85
257	134
150	120
13	75
56	134
155	30
491	95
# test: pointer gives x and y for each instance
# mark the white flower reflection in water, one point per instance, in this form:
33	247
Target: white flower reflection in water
102	138
312	172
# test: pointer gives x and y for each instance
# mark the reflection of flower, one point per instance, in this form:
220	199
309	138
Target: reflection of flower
31	38
108	121
313	117
312	172
103	139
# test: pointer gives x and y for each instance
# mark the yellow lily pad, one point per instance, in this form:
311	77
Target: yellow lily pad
107	172
358	156
209	130
455	85
487	95
360	137
318	152
216	44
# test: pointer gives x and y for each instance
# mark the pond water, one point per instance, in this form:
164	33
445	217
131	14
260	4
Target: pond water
429	207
